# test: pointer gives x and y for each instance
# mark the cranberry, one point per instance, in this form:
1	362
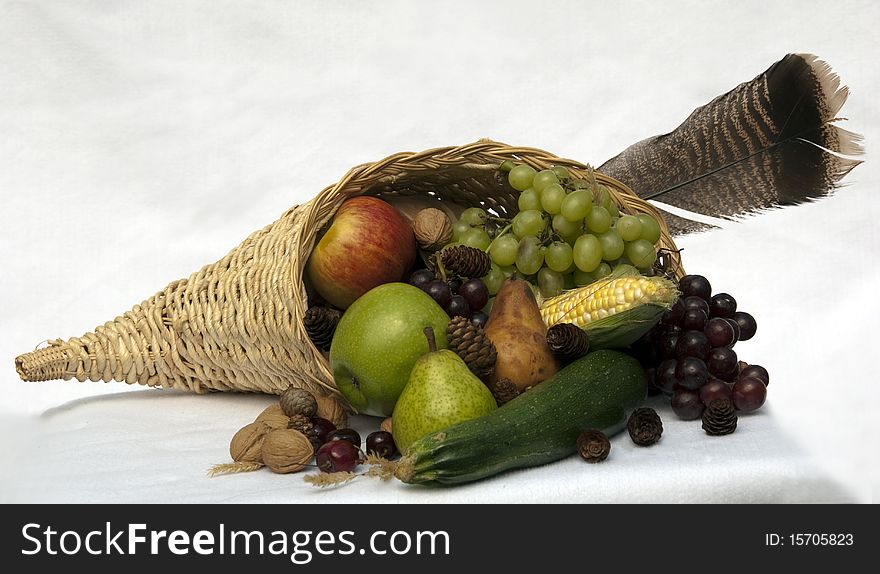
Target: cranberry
337	456
381	443
323	427
349	435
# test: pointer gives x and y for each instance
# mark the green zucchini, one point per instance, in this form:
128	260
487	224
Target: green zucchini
540	426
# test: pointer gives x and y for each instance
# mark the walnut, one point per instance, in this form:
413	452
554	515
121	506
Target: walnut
274	417
432	229
247	444
296	401
286	450
385	425
331	409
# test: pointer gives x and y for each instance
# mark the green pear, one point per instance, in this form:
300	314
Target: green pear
441	392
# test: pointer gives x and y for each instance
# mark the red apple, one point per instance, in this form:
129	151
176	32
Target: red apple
368	244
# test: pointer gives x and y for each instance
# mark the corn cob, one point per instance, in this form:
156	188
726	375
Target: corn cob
614	311
606	297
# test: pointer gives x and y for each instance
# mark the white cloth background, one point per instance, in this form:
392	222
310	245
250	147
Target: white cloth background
139	141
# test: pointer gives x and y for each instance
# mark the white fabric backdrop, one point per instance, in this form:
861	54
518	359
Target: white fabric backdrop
139	141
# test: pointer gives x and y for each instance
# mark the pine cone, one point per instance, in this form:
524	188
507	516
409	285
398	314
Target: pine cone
471	344
644	426
719	418
504	391
465	261
568	341
320	324
593	445
296	401
304	425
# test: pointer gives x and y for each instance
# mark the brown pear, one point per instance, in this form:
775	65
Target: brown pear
519	334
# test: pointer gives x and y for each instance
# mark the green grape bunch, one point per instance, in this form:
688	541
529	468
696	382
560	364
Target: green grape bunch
567	232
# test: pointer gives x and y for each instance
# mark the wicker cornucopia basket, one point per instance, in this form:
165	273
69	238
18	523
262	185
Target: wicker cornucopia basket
236	325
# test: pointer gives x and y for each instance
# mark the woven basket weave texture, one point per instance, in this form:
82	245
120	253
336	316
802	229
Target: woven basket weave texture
236	325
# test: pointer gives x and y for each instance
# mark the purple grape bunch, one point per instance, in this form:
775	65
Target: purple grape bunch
459	297
690	354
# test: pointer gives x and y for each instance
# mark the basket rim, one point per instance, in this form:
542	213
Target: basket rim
448	156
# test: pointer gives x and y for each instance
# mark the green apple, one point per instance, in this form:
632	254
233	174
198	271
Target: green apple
378	340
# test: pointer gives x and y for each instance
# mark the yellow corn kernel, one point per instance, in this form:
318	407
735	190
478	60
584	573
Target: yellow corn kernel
605	297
